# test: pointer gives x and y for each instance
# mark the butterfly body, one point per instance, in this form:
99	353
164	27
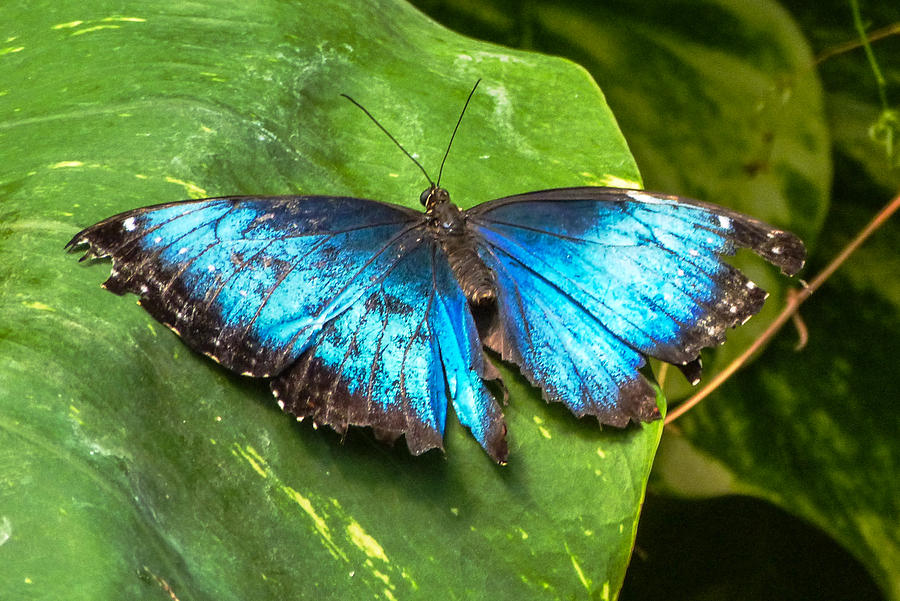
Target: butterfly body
448	225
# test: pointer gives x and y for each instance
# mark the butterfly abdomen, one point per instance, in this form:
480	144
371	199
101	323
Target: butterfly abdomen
474	277
448	224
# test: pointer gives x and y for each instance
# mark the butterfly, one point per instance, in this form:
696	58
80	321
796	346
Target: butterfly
366	313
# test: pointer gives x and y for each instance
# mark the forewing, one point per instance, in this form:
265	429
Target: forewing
249	281
591	279
393	358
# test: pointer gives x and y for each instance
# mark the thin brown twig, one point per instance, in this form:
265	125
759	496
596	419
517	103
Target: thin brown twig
791	306
799	325
874	36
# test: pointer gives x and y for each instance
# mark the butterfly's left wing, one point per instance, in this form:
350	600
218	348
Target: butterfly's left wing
591	280
346	303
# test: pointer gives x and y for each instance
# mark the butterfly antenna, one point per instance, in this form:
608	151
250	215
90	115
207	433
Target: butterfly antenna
453	135
393	139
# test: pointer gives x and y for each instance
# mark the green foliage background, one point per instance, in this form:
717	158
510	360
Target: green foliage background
129	468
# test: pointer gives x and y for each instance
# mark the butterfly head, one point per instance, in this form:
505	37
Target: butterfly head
433	196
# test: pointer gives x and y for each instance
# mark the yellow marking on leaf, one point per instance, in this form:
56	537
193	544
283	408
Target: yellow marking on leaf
585	582
604	591
95	28
74	415
68	25
601	453
364	541
544	432
213	76
253	458
125	19
381	576
318	521
370	548
617	182
39	306
409	579
65	164
11	49
193	190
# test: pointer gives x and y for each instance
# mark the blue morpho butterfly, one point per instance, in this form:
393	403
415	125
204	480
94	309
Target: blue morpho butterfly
372	314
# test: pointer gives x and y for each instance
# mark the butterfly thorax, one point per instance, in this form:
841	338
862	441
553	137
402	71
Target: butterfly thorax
447	223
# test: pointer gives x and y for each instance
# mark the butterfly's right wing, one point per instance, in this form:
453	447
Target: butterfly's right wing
591	280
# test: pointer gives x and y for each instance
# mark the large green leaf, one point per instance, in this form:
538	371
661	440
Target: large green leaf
131	468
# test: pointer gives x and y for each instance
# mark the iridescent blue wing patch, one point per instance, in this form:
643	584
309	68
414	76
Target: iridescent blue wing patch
393	358
325	295
591	280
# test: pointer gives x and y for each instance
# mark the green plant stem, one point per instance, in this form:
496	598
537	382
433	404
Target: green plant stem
861	30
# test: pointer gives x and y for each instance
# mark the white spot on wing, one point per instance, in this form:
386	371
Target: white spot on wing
129	224
725	221
642	197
